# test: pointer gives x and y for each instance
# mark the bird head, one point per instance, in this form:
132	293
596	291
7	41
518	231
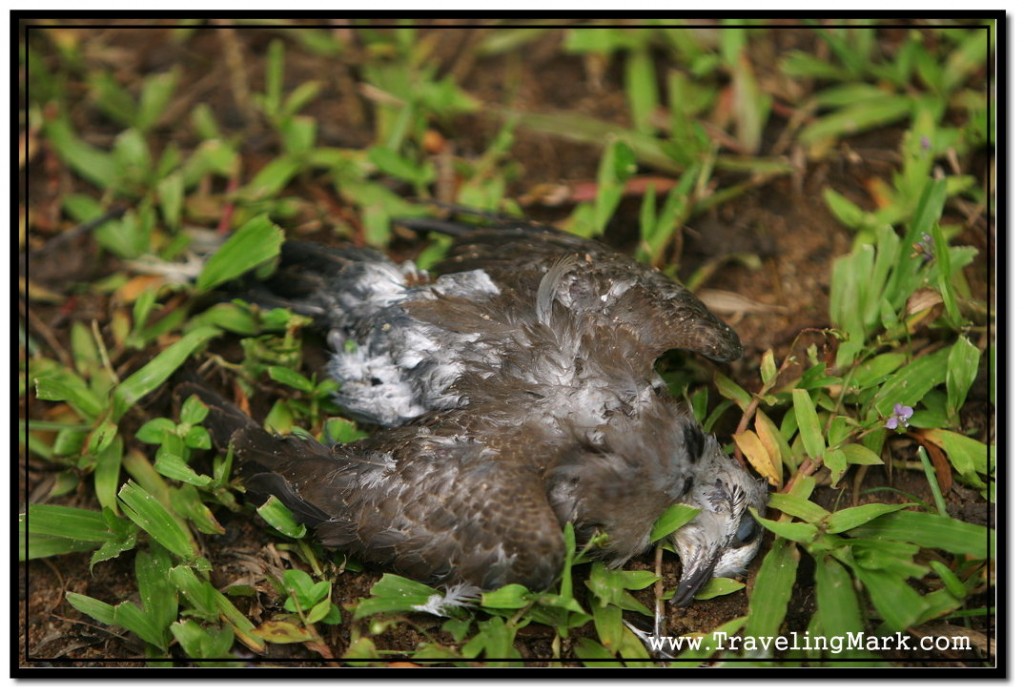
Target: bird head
724	537
620	479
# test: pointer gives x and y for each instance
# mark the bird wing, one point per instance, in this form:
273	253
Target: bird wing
432	500
596	279
440	508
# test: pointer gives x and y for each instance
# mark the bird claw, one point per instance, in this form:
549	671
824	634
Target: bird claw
652	639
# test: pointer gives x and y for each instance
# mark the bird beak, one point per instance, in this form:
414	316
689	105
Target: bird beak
696	573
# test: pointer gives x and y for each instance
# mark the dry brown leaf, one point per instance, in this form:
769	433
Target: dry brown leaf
764	433
922	300
130	291
725	302
283	632
756	453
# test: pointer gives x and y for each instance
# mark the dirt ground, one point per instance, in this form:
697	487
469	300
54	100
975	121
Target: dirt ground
784	222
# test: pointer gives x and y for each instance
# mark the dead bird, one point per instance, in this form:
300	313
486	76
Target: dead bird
530	356
450	500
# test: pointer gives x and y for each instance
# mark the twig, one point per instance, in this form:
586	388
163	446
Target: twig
114	213
224	226
659	591
235	60
806	469
41	328
101	346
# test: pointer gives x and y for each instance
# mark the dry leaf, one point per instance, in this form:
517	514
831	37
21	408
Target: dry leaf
922	300
283	632
725	302
764	433
130	291
756	453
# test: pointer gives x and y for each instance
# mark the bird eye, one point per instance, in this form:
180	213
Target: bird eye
746	531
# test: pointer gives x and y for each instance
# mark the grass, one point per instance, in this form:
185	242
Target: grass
885	384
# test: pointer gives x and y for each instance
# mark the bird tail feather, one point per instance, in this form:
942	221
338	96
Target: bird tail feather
269	465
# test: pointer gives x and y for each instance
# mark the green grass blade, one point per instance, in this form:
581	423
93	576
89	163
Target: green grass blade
157	92
160	523
838	608
108	472
617	165
171	191
800	532
910	383
894	599
62	385
672	519
281	518
512	596
159	369
94	608
930	531
211	600
577	128
42	546
393	593
641	90
961	373
772	589
254	243
808	423
128	615
796	506
848	518
68	523
857	118
92	164
174	467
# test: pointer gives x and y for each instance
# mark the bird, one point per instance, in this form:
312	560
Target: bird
517	392
430	500
449	500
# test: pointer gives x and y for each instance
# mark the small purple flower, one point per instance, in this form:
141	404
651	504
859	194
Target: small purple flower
900	416
926	142
926	247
